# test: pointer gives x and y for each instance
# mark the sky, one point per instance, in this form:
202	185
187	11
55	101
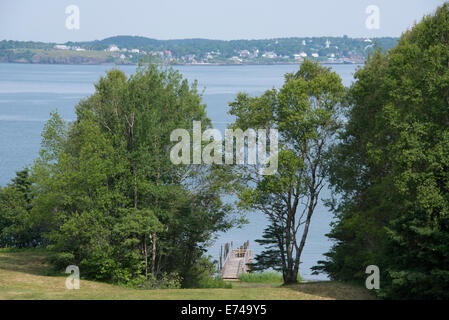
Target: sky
45	20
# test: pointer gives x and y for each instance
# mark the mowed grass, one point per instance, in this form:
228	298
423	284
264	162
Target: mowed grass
22	276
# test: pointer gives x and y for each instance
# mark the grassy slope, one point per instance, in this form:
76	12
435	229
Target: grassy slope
22	277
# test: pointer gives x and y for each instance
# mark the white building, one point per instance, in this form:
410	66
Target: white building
135	50
236	59
269	55
315	55
61	47
113	48
244	53
300	56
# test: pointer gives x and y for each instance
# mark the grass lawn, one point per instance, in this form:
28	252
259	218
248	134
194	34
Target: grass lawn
22	277
264	277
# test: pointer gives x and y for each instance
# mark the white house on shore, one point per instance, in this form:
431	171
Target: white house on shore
61	47
269	55
300	56
236	59
113	48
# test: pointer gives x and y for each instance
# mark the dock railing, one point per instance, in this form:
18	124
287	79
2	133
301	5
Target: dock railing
244	256
243	264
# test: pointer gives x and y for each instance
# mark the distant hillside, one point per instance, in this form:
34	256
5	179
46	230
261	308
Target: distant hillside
130	49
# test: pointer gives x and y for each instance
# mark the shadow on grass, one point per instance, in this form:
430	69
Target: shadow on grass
26	261
255	285
333	290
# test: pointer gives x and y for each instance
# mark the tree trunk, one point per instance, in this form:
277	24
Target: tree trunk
145	250
291	276
135	186
153	258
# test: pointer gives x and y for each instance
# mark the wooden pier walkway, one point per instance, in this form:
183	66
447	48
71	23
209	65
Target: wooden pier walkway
236	263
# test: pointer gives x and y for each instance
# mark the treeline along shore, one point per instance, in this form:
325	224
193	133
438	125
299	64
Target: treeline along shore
131	49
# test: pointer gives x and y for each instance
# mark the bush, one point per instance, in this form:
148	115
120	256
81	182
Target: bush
201	272
165	281
59	261
215	282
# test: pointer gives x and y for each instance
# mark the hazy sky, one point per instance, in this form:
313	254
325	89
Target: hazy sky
44	20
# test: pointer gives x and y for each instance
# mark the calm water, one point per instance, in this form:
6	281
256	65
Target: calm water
28	93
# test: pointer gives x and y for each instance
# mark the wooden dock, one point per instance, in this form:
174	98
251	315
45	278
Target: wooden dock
236	263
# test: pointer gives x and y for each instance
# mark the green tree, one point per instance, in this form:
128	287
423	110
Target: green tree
391	168
17	228
305	113
271	256
115	204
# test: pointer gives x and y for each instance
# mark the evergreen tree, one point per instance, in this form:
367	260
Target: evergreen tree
391	168
271	256
17	226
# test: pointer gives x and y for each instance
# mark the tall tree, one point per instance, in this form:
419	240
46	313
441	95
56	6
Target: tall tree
305	113
391	168
17	227
116	205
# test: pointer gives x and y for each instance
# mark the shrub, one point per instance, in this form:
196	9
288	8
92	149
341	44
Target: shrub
165	281
214	282
59	261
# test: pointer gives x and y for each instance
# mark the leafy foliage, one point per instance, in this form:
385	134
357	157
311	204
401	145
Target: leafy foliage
391	168
305	113
17	227
107	198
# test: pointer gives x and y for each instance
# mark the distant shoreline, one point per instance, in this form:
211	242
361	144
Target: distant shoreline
184	65
129	50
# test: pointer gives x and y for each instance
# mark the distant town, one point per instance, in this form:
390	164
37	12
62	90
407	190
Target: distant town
131	49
